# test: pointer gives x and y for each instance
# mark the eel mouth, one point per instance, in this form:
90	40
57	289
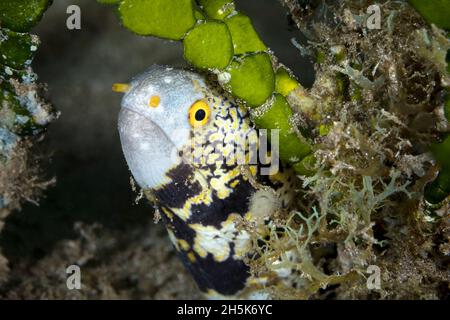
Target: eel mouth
150	153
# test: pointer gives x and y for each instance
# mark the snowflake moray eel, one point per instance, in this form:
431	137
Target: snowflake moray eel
181	136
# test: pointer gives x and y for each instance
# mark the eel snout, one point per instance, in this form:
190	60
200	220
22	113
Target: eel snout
149	152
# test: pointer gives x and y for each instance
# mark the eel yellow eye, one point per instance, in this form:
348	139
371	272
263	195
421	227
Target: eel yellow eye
199	113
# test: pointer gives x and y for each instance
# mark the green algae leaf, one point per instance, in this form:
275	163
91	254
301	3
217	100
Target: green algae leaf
441	152
245	38
277	116
306	166
208	45
21	15
252	79
108	1
447	105
436	11
284	82
439	189
169	19
217	9
17	49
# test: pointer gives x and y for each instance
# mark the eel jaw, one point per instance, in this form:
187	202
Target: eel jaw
149	152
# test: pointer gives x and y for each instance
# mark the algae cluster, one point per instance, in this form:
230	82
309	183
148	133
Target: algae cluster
24	114
377	108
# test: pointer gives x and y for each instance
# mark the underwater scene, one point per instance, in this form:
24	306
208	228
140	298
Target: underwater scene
220	149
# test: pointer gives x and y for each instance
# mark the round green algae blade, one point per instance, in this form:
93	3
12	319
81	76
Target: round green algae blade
208	46
17	49
245	38
217	9
277	116
436	11
284	82
252	79
169	19
21	15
